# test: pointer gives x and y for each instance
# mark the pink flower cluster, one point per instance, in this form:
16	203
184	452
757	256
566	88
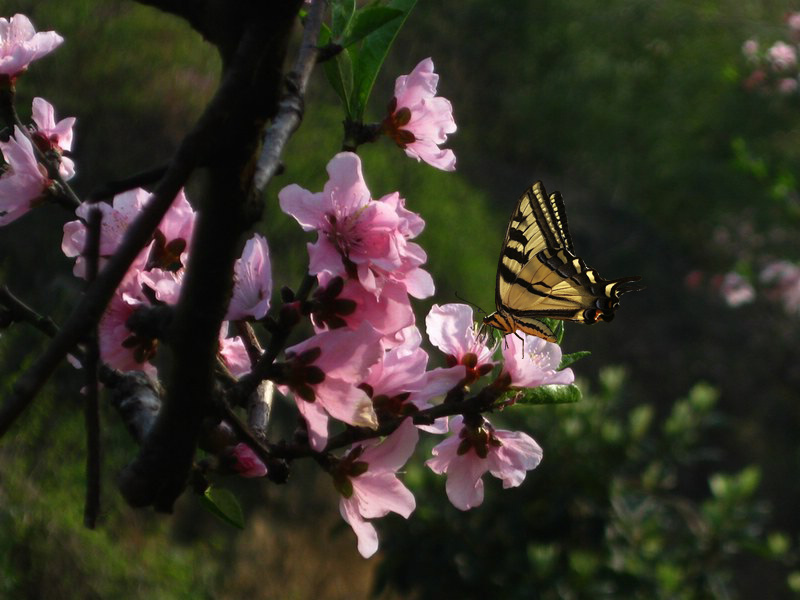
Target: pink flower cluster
734	289
24	183
156	277
365	365
775	68
782	279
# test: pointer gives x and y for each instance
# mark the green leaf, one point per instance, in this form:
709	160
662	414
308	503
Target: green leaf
367	61
224	505
339	70
568	359
368	20
557	327
342	12
549	394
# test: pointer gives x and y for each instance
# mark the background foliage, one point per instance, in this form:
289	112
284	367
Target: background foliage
675	480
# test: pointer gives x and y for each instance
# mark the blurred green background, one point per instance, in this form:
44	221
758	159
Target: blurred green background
674	477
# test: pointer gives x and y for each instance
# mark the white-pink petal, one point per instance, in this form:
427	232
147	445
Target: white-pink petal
20	45
252	282
364	530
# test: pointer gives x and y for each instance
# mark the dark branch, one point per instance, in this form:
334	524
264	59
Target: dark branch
90	366
191	10
19	312
290	110
160	472
112	188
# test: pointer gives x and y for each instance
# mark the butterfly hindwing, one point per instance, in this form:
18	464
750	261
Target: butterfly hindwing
539	275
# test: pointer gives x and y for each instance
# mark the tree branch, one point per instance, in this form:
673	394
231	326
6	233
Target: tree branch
159	473
90	365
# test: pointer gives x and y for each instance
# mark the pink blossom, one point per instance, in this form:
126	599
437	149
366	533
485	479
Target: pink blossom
247	462
323	373
474	449
20	45
793	21
419	120
782	55
177	227
787	85
451	328
120	348
166	285
750	48
252	282
359	237
116	219
233	353
348	304
784	277
163	259
532	361
736	290
367	480
50	135
24	182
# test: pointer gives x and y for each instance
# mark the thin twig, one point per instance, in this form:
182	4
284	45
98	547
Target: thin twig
250	341
112	188
22	313
290	111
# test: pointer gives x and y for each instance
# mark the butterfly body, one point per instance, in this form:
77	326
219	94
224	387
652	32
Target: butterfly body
539	275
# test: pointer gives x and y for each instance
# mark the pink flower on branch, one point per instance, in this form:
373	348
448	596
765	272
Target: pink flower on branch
367	480
451	328
399	384
163	259
419	120
782	55
20	45
323	373
120	347
359	237
24	182
116	219
476	447
252	282
246	462
51	136
532	361
348	304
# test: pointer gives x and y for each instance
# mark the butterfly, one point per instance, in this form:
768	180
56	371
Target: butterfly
539	275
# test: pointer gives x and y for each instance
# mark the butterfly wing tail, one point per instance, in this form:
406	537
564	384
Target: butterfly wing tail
627	284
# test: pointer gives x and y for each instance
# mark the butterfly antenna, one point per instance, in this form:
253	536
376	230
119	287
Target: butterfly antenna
470	303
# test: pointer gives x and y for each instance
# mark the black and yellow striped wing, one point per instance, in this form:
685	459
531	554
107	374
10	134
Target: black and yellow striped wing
539	275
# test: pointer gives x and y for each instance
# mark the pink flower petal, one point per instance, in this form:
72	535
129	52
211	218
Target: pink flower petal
365	531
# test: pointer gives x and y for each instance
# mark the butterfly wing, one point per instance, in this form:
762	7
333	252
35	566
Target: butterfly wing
540	276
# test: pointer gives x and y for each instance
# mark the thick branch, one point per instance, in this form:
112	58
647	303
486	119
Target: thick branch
159	474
